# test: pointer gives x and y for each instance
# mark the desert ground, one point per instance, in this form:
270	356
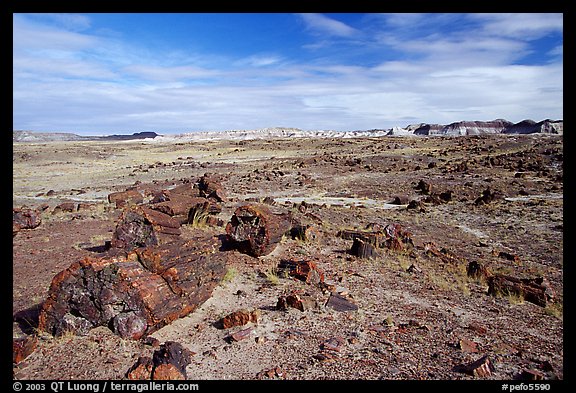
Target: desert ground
419	314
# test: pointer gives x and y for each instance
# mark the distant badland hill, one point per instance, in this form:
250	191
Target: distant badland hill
498	126
31	136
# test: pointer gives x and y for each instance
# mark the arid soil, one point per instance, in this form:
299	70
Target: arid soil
419	314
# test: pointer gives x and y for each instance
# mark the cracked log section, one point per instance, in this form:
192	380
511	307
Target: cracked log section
133	293
256	231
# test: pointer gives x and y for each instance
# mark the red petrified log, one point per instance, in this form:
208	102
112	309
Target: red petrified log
134	295
257	231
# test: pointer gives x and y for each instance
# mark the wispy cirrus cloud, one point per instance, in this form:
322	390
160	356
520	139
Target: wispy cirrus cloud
324	25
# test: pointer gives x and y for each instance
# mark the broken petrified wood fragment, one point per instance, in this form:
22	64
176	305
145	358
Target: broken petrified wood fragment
133	295
125	198
240	318
23	347
482	367
255	230
295	300
306	233
477	271
170	361
363	250
167	363
210	187
140	226
306	271
535	290
24	218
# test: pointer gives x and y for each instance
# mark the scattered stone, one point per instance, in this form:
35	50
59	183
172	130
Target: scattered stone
532	375
444	254
240	318
340	303
413	269
481	368
273	373
255	230
400	200
334	344
446	196
487	196
241	334
414	204
468	346
170	362
424	187
476	327
510	257
23	347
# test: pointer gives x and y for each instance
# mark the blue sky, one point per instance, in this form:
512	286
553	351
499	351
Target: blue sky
173	73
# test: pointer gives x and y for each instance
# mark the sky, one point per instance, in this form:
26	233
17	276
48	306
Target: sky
106	73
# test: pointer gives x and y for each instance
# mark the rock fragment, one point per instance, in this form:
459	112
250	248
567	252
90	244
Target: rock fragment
240	318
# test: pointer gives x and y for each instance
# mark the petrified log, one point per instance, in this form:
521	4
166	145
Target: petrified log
140	226
133	294
124	198
392	236
363	250
255	230
187	209
534	290
375	238
24	218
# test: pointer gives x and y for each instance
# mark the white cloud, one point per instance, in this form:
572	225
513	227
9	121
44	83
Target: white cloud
65	80
325	25
521	26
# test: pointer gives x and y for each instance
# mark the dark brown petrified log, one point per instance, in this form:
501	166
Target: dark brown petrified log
255	230
363	250
534	290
